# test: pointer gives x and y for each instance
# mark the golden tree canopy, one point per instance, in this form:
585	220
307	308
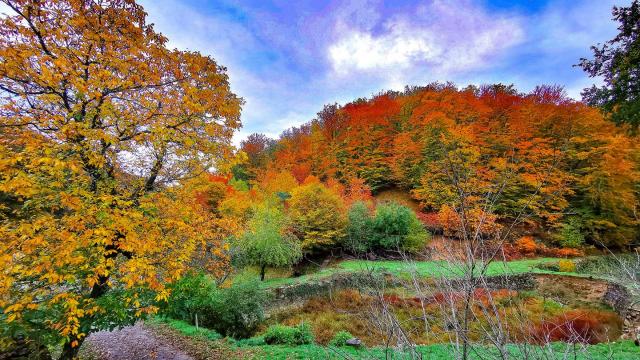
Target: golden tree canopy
100	124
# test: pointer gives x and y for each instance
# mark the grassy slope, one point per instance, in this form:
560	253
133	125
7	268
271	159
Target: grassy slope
623	350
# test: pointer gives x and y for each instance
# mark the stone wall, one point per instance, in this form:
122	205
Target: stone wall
324	286
619	298
364	280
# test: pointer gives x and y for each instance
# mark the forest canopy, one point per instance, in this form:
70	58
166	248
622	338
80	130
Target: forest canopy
540	154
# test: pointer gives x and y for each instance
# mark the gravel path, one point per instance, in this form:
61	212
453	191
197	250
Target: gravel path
131	342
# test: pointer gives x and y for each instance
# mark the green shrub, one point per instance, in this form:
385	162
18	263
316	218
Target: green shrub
397	227
359	228
235	311
570	234
253	341
549	266
305	334
340	338
609	265
289	335
189	330
190	295
238	310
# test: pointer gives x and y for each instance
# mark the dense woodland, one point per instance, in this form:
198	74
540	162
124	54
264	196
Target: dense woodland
556	163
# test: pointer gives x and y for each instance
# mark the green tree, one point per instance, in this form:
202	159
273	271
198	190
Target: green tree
618	63
570	233
267	242
318	215
397	227
359	228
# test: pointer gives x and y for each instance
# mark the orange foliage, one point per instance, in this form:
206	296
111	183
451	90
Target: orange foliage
527	246
563	252
455	225
540	153
431	221
584	326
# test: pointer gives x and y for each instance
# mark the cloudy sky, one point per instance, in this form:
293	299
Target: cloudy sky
287	58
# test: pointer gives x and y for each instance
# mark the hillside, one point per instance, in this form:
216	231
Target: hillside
557	160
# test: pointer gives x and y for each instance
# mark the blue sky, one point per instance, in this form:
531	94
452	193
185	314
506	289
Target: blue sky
289	58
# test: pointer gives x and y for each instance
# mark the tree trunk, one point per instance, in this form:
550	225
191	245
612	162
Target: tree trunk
262	269
69	352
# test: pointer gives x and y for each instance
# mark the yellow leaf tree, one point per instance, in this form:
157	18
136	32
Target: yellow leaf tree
100	124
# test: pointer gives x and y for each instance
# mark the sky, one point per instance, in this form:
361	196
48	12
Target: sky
287	58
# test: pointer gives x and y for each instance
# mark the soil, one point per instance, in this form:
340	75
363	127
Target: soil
575	289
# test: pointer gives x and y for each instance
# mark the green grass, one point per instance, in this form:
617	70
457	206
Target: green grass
422	268
256	349
622	350
442	268
185	328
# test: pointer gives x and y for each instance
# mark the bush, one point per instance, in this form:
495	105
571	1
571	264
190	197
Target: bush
397	227
289	335
549	266
340	338
359	228
584	326
190	295
238	310
565	265
570	234
235	311
527	246
606	265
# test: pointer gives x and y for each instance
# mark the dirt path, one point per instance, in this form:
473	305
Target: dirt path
131	342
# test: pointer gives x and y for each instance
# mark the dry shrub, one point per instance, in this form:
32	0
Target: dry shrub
431	221
584	326
527	247
564	252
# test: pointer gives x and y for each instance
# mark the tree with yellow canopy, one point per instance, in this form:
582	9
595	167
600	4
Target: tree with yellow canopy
100	126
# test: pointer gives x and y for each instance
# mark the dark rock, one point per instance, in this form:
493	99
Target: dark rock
355	342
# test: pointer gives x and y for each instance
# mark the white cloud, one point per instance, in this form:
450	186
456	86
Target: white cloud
440	37
362	51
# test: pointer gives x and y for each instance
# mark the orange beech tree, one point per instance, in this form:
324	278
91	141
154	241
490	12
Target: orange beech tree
100	124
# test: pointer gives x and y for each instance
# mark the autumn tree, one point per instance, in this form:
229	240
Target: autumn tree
268	241
259	149
318	216
100	123
279	183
